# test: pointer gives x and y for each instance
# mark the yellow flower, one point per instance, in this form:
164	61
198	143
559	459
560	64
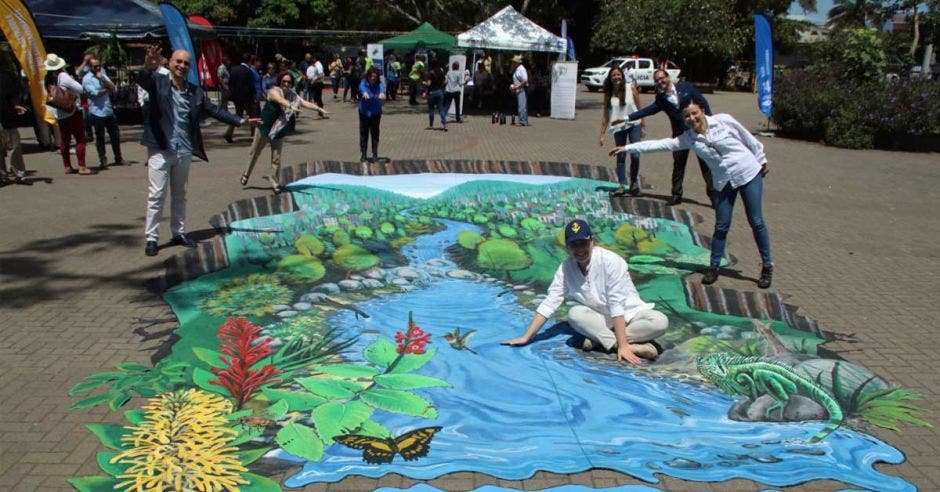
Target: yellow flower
182	445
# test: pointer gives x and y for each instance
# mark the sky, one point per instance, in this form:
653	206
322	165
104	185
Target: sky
423	185
818	17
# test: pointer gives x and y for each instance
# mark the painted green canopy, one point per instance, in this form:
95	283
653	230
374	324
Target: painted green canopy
425	36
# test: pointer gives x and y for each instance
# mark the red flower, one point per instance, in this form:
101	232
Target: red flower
414	342
241	343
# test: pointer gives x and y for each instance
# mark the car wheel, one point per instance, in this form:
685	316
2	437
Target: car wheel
593	89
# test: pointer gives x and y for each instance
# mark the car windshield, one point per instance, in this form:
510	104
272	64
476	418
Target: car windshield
612	62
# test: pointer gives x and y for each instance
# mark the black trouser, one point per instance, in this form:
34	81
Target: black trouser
413	92
247	109
452	96
352	82
316	93
100	123
679	159
391	90
367	125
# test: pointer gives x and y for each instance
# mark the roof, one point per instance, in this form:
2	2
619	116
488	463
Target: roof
74	19
425	36
510	30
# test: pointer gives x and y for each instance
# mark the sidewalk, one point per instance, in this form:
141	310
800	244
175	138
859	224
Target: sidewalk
854	236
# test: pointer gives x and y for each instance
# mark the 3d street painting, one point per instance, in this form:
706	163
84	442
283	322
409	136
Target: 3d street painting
359	335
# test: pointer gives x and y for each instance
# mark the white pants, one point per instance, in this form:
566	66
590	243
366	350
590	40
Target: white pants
166	168
646	325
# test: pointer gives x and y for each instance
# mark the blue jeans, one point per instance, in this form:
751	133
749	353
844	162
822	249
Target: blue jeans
436	100
523	108
620	139
751	194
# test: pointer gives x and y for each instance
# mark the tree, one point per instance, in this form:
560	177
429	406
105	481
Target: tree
309	245
352	258
386	228
363	232
502	254
301	268
341	238
853	14
469	239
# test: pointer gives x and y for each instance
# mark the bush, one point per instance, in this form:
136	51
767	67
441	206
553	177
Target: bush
819	103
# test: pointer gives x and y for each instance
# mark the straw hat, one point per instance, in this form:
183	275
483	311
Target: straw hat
517	59
53	62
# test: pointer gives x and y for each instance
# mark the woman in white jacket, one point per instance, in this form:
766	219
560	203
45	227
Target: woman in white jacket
738	166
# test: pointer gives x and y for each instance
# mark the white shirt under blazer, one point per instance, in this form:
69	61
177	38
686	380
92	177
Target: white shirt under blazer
731	152
607	287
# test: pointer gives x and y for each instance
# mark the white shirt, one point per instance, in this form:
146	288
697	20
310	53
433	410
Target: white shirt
629	77
606	288
618	112
520	76
315	71
672	95
66	81
454	80
731	152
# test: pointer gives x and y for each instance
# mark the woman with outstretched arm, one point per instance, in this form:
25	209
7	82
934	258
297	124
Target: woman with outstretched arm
738	166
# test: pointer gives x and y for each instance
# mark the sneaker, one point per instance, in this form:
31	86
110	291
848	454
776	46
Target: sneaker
647	350
184	240
674	200
151	248
634	189
587	345
766	277
710	276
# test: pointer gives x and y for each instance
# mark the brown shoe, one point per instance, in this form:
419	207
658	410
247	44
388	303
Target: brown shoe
646	350
70	170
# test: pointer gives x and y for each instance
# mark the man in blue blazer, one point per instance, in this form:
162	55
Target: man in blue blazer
172	136
669	98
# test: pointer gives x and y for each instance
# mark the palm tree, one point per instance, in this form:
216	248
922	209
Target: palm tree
848	14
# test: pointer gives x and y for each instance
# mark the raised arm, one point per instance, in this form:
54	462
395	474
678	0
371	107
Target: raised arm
665	145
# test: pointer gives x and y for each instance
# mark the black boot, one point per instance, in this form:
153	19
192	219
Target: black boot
710	276
766	276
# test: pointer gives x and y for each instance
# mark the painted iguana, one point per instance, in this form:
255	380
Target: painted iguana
756	376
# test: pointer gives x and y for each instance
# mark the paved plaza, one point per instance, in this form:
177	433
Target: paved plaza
854	233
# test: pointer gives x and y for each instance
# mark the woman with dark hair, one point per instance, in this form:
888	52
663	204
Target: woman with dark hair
69	118
371	95
280	108
336	72
455	79
738	166
435	86
350	78
617	105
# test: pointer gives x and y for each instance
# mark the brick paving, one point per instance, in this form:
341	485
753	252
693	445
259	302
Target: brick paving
854	236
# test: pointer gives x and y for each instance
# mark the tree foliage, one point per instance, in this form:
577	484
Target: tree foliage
502	254
354	258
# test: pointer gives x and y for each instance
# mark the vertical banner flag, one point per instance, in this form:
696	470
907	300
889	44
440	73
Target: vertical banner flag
210	56
377	54
564	34
764	57
20	30
178	32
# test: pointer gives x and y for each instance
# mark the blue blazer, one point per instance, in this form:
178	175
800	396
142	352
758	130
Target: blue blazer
159	115
686	91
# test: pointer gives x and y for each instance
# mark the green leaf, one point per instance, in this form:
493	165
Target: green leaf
330	388
239	414
95	483
413	362
246	433
301	441
297	401
350	371
399	402
257	483
277	410
131	367
373	429
86	386
409	381
333	419
108	434
107	376
210	357
381	352
104	462
135	417
90	401
249	456
126	383
119	399
202	377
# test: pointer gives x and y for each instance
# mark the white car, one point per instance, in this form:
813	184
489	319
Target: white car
643	68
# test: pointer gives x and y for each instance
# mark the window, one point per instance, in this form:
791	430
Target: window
645	64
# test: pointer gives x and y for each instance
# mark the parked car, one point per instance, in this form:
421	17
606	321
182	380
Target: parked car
643	68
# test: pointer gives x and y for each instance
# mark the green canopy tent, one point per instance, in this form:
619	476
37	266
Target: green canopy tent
425	36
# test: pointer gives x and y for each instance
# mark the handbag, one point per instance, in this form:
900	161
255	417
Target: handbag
60	98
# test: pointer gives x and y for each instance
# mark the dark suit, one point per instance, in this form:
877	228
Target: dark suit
686	92
241	85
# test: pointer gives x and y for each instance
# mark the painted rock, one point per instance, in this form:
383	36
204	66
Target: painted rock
350	285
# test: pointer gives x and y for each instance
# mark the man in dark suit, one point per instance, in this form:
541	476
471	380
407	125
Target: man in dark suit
242	93
172	114
669	98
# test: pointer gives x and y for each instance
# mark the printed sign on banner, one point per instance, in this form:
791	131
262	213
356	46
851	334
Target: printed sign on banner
376	53
564	89
462	62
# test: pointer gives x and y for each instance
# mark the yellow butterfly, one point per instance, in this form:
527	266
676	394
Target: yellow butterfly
410	445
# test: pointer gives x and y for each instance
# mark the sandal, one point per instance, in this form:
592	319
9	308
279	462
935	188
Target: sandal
243	180
619	192
71	170
277	189
84	171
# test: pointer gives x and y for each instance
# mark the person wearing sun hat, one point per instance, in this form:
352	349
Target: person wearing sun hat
69	119
520	83
609	311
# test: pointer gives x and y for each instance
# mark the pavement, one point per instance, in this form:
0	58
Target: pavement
854	236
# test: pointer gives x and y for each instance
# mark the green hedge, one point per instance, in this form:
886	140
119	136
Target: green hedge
816	104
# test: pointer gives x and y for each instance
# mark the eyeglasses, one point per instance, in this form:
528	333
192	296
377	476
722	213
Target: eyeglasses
179	61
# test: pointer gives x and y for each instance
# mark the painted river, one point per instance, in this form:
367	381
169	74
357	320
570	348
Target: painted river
514	411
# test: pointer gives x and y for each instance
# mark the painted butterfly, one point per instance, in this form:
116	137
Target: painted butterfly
410	445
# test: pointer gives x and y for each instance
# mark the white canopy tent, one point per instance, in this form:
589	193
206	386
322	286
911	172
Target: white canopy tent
510	30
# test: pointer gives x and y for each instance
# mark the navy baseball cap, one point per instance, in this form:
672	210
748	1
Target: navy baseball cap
577	229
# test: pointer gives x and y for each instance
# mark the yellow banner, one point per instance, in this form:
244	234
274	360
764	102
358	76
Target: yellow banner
20	30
